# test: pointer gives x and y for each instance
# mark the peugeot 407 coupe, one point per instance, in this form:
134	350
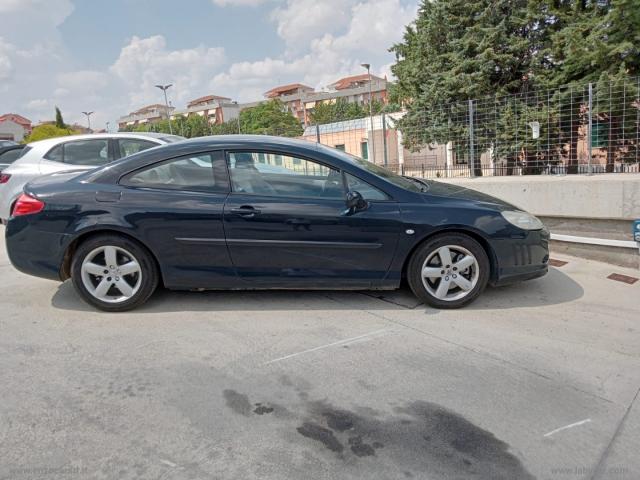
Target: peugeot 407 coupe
206	214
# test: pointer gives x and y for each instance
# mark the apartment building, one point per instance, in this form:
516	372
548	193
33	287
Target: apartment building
214	108
301	99
150	113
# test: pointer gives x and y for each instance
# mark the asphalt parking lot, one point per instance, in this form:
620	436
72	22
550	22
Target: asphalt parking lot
537	380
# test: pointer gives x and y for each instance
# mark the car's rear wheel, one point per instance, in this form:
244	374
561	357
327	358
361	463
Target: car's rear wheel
113	273
449	271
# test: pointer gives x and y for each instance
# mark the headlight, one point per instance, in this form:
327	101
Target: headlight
522	220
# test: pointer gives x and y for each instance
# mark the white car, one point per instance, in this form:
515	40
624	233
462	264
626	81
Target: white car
75	152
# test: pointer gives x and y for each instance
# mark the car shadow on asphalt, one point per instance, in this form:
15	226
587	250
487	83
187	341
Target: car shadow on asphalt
552	289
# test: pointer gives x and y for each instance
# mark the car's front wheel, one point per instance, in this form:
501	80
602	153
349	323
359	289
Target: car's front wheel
113	273
449	270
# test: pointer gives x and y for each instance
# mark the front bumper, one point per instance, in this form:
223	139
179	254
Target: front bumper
522	257
33	251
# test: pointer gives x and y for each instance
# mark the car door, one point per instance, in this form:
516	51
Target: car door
176	206
287	225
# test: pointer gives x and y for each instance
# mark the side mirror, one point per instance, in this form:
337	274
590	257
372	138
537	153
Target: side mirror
355	202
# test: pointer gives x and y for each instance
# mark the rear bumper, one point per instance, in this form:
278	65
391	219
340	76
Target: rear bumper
523	258
35	252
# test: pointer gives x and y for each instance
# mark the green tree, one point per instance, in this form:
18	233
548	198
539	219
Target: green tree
42	132
595	42
59	121
342	110
459	50
269	118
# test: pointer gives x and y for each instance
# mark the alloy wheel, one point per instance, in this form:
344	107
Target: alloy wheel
450	272
111	274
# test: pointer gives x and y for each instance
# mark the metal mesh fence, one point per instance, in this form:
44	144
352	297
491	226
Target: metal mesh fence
592	128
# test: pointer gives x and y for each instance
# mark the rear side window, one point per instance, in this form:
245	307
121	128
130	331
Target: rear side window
87	152
203	172
81	152
129	146
24	151
56	154
10	156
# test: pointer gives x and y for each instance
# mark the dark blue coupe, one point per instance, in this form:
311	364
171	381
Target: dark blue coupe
255	212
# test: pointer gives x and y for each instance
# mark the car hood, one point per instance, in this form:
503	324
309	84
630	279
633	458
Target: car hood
447	190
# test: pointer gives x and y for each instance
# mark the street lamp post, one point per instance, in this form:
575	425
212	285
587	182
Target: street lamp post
373	138
237	116
107	127
164	89
88	114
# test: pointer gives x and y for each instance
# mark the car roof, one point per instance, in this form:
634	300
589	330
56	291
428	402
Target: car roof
51	142
286	146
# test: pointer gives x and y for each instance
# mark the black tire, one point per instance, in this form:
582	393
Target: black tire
428	250
148	271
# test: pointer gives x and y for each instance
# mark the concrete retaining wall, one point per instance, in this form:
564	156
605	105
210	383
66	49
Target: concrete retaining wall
610	196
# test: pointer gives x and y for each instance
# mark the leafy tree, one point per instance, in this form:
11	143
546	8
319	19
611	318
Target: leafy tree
459	50
596	42
342	110
269	118
510	50
59	121
42	132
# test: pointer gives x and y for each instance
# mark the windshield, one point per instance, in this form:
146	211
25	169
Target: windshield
399	181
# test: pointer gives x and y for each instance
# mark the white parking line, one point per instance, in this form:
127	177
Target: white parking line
581	422
341	342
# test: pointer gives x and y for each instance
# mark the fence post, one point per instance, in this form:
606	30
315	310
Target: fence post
384	138
317	133
471	148
590	131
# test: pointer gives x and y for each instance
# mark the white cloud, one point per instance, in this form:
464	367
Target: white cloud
82	81
6	65
238	3
145	62
323	41
374	27
299	21
371	28
38	104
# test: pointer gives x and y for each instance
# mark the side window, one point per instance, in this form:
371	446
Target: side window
10	156
194	173
56	154
283	175
368	191
129	146
87	152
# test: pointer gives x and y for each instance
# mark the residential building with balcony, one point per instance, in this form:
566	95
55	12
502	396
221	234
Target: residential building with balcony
214	108
300	99
148	114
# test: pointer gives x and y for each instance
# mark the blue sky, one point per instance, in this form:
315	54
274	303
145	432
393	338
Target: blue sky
106	56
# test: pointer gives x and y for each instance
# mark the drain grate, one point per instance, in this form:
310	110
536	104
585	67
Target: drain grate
557	263
618	277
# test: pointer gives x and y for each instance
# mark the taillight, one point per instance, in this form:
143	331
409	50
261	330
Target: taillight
4	177
27	205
